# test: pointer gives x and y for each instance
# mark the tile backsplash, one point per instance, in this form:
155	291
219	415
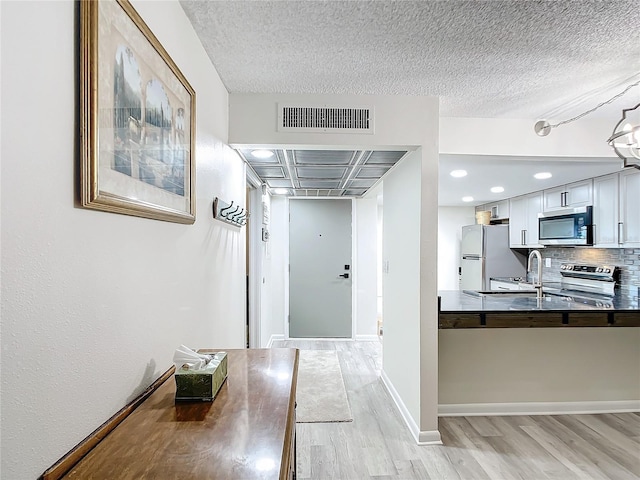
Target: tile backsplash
627	259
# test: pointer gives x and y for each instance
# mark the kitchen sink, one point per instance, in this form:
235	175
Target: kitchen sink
501	293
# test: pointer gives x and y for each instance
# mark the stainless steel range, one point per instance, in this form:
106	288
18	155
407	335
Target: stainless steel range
589	283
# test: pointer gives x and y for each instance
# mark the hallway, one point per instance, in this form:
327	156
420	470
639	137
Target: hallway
377	444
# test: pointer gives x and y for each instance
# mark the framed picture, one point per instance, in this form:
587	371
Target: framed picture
137	119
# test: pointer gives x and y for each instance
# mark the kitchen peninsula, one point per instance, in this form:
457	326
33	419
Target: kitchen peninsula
464	310
509	354
586	296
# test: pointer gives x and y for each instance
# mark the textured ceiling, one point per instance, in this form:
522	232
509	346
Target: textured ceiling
485	59
513	59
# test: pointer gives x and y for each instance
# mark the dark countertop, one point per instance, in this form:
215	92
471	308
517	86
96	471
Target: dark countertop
455	301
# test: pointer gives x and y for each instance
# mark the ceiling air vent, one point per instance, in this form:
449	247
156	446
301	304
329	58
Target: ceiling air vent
325	119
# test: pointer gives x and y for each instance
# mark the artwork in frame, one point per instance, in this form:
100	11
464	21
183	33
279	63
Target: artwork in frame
137	118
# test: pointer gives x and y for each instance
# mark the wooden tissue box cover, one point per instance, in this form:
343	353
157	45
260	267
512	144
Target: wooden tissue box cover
202	385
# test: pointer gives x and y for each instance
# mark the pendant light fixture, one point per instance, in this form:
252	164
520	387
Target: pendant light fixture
626	137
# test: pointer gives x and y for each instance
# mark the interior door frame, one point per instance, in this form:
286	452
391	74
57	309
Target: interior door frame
255	259
354	268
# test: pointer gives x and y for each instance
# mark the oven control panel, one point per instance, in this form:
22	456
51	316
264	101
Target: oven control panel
589	271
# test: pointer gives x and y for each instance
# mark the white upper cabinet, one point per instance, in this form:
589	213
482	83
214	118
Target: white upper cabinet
629	217
523	220
605	211
578	194
499	210
616	210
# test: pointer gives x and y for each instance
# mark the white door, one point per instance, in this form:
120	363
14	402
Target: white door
320	268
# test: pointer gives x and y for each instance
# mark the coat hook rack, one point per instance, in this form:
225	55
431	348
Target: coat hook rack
229	212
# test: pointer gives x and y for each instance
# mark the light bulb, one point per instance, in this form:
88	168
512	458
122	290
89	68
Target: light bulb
262	153
542	175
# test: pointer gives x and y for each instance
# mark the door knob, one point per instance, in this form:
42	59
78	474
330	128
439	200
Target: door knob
344	275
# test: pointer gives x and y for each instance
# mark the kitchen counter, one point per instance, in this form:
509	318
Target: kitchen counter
457	301
461	310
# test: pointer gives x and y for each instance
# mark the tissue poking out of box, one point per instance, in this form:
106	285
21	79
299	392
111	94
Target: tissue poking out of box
202	384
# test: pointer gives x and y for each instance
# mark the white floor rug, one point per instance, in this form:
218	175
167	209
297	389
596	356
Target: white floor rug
321	395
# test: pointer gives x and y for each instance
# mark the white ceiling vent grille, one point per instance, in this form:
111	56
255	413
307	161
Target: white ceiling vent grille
325	119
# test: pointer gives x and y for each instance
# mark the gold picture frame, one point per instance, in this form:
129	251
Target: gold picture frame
137	119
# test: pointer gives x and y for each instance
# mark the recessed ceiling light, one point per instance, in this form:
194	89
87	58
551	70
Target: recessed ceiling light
543	175
497	189
467	199
280	191
458	173
262	153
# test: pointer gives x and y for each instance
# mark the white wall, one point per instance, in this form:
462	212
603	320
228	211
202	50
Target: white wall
366	274
539	365
401	282
94	303
253	120
502	136
450	223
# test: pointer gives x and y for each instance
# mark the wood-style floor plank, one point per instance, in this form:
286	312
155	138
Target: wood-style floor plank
378	444
526	451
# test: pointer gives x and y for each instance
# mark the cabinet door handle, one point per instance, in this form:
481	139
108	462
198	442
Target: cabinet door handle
494	211
564	201
620	233
523	237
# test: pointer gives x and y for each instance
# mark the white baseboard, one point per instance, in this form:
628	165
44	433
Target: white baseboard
426	437
367	338
274	338
537	408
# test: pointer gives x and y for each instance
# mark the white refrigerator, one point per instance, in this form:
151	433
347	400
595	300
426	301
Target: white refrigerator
486	254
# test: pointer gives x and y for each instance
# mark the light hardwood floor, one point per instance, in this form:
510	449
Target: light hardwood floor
377	444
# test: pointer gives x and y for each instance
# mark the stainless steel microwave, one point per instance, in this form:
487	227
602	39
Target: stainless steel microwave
569	227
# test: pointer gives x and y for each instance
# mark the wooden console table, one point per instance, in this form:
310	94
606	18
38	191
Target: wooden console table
247	432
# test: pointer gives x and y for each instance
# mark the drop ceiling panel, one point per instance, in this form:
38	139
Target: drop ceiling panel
319	184
362	183
322	172
319	173
384	157
269	172
275	183
356	192
372	172
322	157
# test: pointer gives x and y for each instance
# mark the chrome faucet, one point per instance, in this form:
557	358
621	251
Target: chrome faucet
537	285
